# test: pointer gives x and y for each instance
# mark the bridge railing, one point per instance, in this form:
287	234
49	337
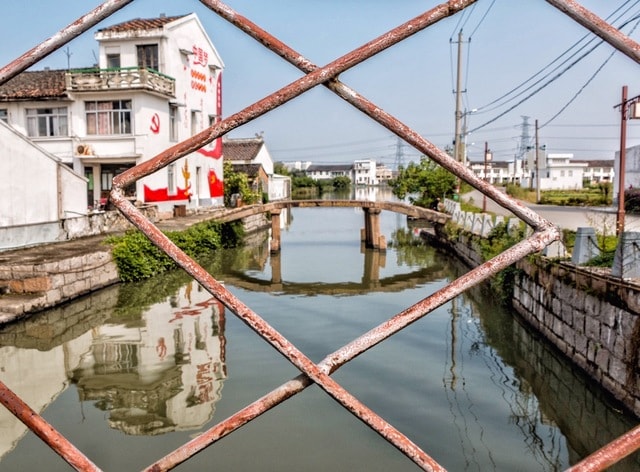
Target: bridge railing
319	373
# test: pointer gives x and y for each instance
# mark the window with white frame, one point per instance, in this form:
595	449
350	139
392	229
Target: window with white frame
108	117
173	123
4	115
47	122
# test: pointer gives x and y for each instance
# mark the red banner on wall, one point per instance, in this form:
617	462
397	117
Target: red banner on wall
216	185
214	149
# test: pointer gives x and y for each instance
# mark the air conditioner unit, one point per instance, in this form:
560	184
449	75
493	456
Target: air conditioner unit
84	150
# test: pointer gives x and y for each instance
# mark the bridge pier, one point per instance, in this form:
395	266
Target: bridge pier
275	230
370	234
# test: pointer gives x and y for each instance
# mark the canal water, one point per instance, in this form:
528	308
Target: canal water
130	373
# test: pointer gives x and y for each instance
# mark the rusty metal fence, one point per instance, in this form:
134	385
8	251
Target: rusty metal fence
543	232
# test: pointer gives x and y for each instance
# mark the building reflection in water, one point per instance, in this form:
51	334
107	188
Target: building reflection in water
162	374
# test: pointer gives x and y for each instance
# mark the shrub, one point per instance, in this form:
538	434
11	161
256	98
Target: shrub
138	258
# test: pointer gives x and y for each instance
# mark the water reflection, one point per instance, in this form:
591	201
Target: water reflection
155	367
163	372
557	410
468	383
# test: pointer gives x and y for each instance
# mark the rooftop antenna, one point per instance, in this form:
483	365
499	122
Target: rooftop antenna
68	52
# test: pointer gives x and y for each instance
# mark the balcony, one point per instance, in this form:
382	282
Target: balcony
125	78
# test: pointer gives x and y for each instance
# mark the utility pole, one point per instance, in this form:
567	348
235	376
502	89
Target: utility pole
487	158
622	164
537	165
458	139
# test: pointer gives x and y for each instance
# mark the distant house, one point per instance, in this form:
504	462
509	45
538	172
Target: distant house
364	172
383	173
251	157
329	171
497	172
631	170
157	82
597	170
556	172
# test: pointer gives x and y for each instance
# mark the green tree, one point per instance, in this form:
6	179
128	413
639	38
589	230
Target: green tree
238	183
280	169
425	182
341	182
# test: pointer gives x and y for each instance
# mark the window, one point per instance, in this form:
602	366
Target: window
173	123
106	178
171	179
194	122
4	115
148	56
113	61
47	122
110	117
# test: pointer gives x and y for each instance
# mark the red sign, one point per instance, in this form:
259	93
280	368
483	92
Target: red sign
155	124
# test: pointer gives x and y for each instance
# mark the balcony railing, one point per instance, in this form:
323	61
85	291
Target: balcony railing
125	78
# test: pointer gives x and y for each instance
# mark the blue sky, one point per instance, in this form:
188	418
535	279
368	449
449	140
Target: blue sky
506	43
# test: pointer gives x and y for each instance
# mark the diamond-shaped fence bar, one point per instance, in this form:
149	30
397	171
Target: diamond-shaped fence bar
544	233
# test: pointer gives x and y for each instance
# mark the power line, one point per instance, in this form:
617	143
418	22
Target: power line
553	78
522	84
593	76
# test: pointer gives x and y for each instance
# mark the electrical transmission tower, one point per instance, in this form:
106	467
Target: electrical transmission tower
525	139
399	155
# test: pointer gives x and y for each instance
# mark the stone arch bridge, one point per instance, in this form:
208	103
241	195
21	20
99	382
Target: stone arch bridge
370	234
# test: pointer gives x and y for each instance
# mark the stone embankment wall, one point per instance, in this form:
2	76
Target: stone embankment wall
593	318
32	280
590	316
32	285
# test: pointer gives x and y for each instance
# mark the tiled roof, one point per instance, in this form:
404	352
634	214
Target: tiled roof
595	162
140	24
34	85
241	149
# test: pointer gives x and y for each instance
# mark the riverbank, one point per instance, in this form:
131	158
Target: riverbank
565	217
590	316
40	277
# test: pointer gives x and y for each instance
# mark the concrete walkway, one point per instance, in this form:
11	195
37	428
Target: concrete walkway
602	219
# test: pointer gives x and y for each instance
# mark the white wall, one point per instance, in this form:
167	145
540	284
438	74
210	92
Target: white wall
37	191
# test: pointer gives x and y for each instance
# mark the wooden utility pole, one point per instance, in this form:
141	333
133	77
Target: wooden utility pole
458	139
537	165
621	162
487	158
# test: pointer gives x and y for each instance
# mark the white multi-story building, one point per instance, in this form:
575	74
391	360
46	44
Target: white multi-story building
158	82
497	172
556	172
597	170
364	172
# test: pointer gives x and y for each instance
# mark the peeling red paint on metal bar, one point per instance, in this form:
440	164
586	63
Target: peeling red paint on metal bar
610	454
44	430
599	27
376	113
317	373
334	361
61	38
273	337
